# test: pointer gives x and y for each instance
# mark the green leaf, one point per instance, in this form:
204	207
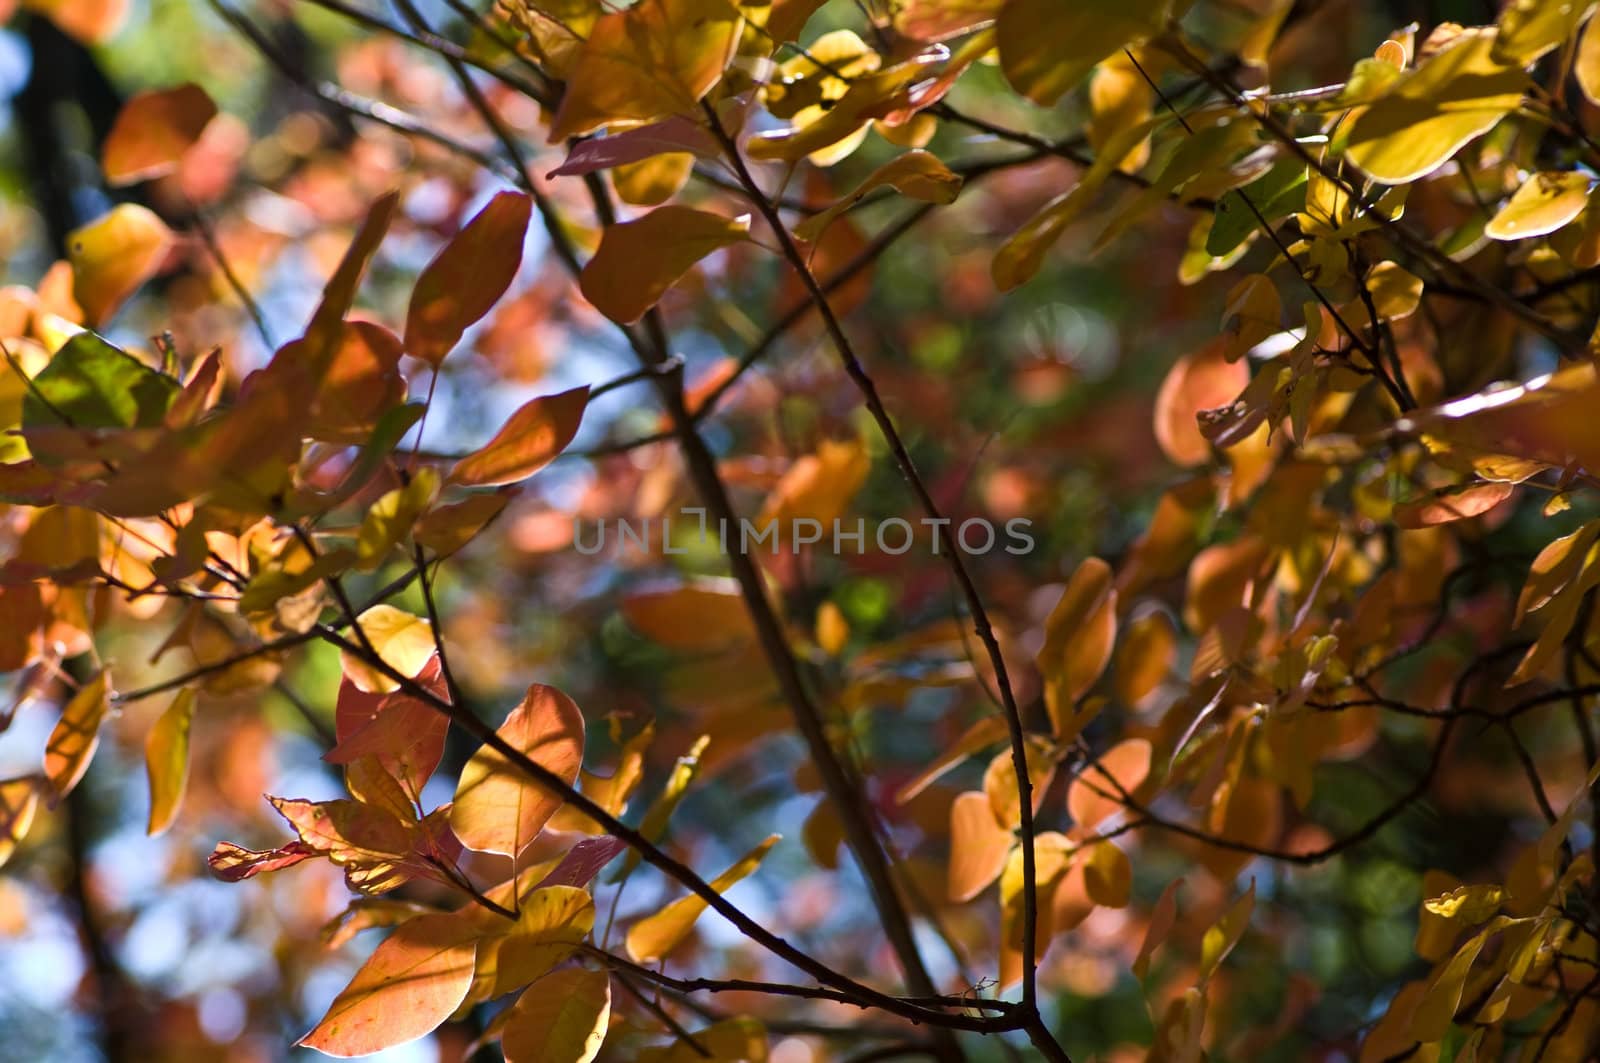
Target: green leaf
92	384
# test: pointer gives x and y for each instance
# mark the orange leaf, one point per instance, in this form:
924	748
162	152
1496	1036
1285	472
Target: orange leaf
410	984
1128	762
527	442
152	132
467	277
497	808
978	846
639	260
1078	639
655	59
1452	504
1203	380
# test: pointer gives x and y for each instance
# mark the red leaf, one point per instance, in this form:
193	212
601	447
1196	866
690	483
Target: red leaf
404	733
498	808
235	863
583	862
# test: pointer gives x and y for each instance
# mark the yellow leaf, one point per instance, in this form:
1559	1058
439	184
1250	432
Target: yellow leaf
639	260
1219	940
736	1040
1108	875
833	630
1545	202
562	1018
1078	639
652	181
1434	110
652	937
654	823
1467	905
817	487
166	759
1253	313
498	808
1047	47
1020	257
404	642
1146	656
875	95
19	800
1437	1009
549	926
1586	64
113	255
652	60
1530	28
916	174
389	519
1395	292
76	735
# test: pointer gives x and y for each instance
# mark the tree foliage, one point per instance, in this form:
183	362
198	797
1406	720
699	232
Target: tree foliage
1168	433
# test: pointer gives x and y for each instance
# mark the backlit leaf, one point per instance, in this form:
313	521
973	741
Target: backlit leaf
916	174
649	61
411	983
562	1018
1078	639
978	846
1047	48
467	277
1434	110
1220	939
499	809
76	735
639	260
113	255
166	757
152	132
1546	201
92	384
402	641
1092	798
552	920
652	937
528	441
19	800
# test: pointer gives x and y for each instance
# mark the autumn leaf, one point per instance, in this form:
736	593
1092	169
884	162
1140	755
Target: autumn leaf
1047	48
467	277
113	255
550	923
639	260
152	132
1078	640
562	1017
411	983
19	800
402	733
652	937
978	846
1095	795
1432	111
649	61
916	175
401	641
1546	201
497	807
76	736
166	756
528	441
